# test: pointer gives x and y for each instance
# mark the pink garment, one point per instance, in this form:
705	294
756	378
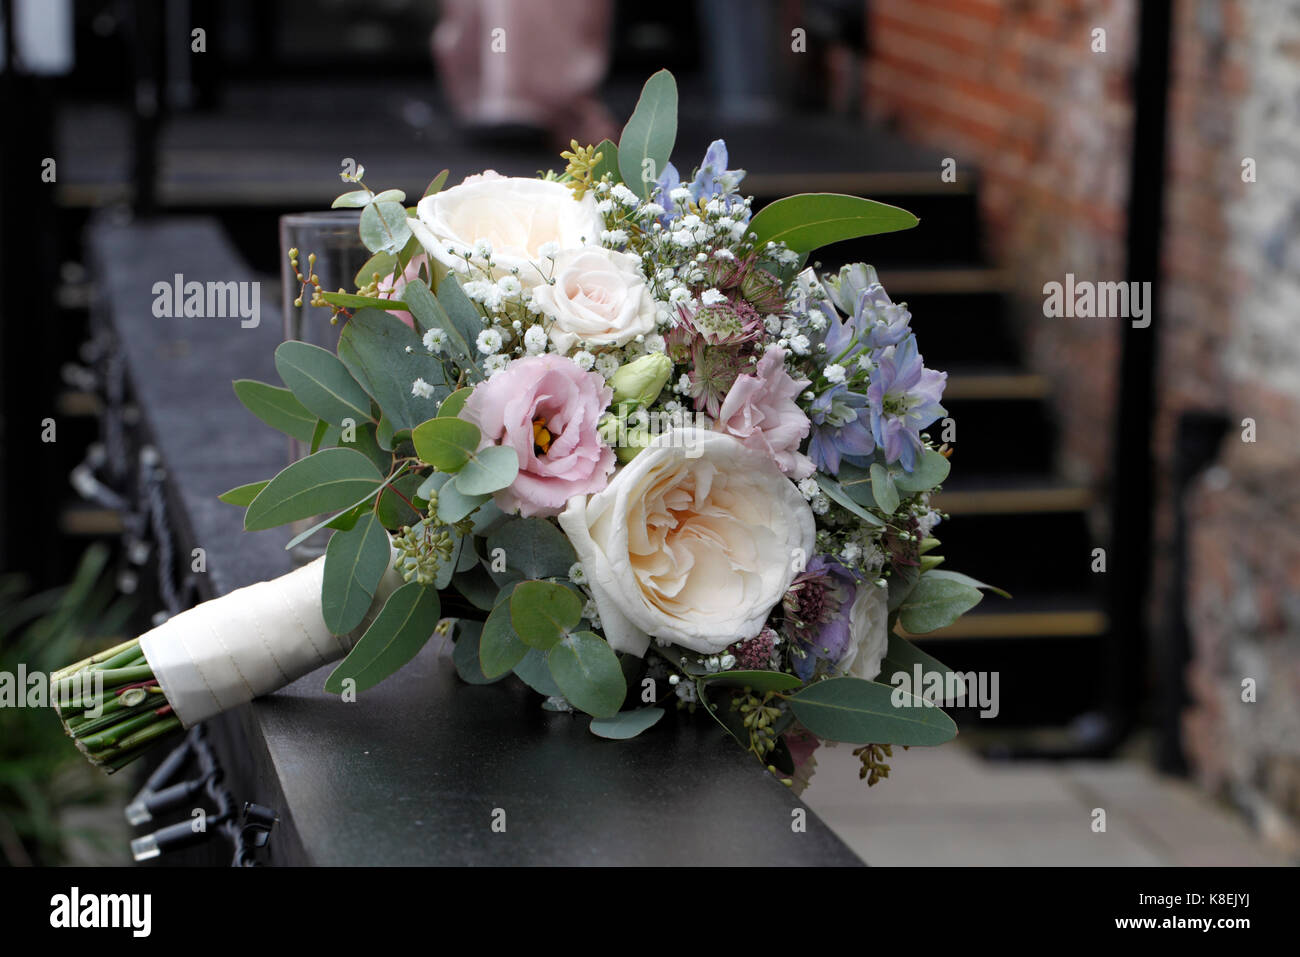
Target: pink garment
530	62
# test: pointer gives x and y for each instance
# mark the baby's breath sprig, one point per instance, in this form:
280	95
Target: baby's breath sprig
582	163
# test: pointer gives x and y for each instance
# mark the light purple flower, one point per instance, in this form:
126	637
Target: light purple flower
904	399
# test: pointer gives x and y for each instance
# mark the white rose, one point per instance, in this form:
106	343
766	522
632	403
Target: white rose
599	297
868	632
693	542
515	216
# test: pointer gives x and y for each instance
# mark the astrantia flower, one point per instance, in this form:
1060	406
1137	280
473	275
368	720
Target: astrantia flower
755	654
841	427
760	411
714	371
904	398
817	609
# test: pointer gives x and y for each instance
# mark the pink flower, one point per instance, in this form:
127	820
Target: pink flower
761	412
393	290
546	408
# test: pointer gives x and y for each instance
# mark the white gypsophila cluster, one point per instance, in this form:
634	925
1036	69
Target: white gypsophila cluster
535	340
489	341
435	340
834	373
820	504
494	364
422	389
809	488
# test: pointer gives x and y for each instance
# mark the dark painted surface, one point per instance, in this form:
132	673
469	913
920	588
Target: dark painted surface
412	772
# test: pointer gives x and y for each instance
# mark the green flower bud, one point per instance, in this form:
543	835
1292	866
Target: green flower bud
639	382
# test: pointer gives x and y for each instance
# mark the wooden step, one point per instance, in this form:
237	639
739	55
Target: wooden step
1021	624
1013	500
996	385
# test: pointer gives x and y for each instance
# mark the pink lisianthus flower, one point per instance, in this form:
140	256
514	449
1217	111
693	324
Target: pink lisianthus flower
760	411
388	289
546	408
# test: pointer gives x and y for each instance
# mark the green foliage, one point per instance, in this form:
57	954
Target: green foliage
542	613
276	407
533	547
330	480
626	724
936	602
587	671
384	227
355	561
649	134
373	347
862	712
809	221
398	632
321	383
500	649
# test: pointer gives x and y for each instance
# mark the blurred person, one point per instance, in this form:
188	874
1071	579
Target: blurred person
522	69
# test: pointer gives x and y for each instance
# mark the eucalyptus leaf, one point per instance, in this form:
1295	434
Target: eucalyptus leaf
355	561
328	481
243	495
384	226
399	631
355	199
321	382
381	264
373	347
465	655
542	612
464	323
626	724
436	184
865	712
533	547
809	221
883	490
649	134
534	671
903	656
608	162
587	671
837	494
500	649
967	580
488	470
760	681
446	443
931	469
935	603
453	505
276	407
452	405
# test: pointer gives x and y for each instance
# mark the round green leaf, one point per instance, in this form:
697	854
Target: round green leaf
465	654
384	226
488	470
935	603
446	443
452	405
626	724
373	347
542	612
533	547
931	469
864	712
500	649
534	672
883	490
587	671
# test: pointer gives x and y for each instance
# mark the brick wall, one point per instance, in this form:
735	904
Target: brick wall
1015	88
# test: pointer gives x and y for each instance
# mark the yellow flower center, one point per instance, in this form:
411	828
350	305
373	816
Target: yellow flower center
541	437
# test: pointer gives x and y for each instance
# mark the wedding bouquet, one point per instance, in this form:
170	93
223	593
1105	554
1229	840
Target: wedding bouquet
606	430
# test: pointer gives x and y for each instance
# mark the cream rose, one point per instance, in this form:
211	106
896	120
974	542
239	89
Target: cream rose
599	297
693	542
515	216
868	632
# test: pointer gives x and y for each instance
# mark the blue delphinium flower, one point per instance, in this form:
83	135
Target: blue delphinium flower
712	180
904	399
817	607
841	428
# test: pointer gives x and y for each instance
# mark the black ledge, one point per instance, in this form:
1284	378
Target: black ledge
415	770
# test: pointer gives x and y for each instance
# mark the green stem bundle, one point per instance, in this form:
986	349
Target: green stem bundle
112	706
